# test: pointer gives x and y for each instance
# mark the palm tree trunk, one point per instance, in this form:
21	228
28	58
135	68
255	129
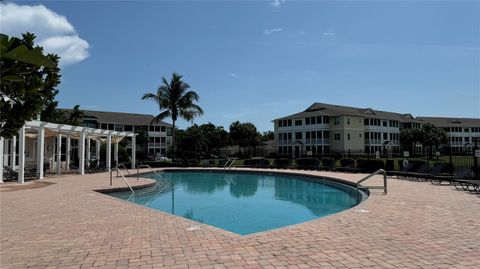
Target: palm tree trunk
173	141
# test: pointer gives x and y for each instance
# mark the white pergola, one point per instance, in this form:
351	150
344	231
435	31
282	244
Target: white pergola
40	130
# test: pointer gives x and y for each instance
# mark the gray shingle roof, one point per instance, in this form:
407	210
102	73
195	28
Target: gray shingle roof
119	117
336	110
451	122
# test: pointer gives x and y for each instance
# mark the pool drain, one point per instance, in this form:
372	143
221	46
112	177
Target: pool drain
194	228
362	211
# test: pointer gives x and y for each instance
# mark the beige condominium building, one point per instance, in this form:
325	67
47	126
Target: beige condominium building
326	128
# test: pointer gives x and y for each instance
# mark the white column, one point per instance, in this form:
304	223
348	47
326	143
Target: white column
68	153
133	151
88	152
13	150
6	150
1	159
115	152
81	154
97	150
109	152
21	155
40	151
59	153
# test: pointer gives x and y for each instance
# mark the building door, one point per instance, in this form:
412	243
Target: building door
297	151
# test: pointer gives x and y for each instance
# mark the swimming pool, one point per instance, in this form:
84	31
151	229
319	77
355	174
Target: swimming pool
246	203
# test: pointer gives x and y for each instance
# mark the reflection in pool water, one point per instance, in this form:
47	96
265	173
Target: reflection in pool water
246	203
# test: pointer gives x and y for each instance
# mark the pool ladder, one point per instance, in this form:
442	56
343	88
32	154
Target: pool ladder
229	163
123	177
167	185
379	171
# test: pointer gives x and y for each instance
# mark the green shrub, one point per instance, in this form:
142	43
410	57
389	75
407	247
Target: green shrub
257	162
282	163
308	163
370	165
328	162
347	162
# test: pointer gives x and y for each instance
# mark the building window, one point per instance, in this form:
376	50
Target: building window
360	135
366	122
336	136
336	121
319	119
280	123
163	129
312	120
384	123
348	136
385	136
326	119
348	121
298	122
298	135
289	122
307	121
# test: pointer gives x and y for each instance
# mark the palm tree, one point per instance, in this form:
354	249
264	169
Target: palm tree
175	100
76	116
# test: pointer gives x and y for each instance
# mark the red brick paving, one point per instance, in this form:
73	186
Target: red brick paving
67	225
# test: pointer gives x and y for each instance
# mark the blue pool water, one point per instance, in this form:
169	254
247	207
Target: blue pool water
246	203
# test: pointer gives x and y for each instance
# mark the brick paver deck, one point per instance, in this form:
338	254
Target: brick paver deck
67	225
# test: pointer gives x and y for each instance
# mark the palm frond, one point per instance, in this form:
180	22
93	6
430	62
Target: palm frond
149	96
160	116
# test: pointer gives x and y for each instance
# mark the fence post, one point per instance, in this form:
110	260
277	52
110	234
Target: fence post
451	164
475	159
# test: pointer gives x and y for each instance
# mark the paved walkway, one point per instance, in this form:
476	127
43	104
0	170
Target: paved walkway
67	225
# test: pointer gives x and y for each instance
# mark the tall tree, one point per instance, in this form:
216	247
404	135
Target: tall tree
28	81
244	134
175	100
432	137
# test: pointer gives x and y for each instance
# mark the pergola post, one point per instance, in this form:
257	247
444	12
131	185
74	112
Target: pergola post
1	159
13	152
67	156
97	151
40	151
59	153
81	154
88	152
21	155
115	152
109	152
134	151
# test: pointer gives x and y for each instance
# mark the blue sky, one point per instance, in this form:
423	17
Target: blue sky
256	61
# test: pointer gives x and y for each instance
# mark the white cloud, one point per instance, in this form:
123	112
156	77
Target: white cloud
54	32
233	75
330	32
271	31
277	3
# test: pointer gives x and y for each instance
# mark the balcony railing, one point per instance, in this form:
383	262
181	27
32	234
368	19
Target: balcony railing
156	145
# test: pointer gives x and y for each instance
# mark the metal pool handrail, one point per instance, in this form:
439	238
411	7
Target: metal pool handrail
124	167
229	163
124	179
379	171
160	176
